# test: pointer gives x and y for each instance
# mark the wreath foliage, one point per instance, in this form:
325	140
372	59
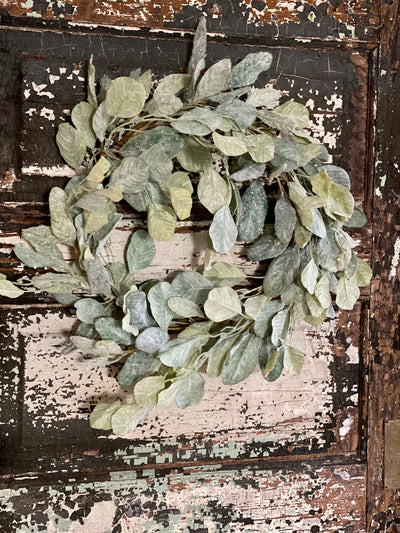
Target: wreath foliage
212	137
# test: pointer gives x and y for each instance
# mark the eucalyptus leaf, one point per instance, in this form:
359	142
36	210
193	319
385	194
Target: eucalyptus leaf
296	111
132	175
98	278
223	231
158	297
357	219
337	174
347	292
81	116
9	290
263	97
140	251
164	136
125	97
147	389
177	352
279	324
57	283
190	391
100	121
242	360
254	211
285	219
88	310
161	221
253	305
197	58
309	276
152	340
247	71
183	307
71	144
322	291
192	285
137	365
126	419
217	355
111	329
281	272
214	80
181	200
101	416
229	145
249	172
223	274
334	251
222	304
135	307
212	190
277	359
363	273
293	360
194	157
32	259
266	247
60	217
241	113
261	147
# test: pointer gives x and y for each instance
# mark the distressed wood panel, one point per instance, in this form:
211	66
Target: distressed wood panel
384	354
55	391
343	21
310	500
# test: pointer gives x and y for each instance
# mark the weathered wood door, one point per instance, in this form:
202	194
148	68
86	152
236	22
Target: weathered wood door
305	454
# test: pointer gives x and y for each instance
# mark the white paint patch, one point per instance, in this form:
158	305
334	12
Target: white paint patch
343	474
48	113
39	90
346	427
53	78
395	260
62	171
27	93
336	101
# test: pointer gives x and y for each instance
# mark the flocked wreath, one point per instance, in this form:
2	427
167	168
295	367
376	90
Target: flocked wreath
206	136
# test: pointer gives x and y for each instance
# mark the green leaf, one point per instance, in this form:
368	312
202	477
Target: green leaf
261	147
229	145
263	97
224	275
161	222
340	202
357	219
301	235
296	111
9	290
242	360
165	137
222	304
322	292
321	184
196	329
285	219
363	273
198	121
126	419
253	305
317	227
46	244
192	285
158	297
91	97
277	360
301	199
214	80
266	247
241	113
279	325
180	180
152	340
111	329
57	283
125	97
81	116
281	272
249	172
101	416
309	276
88	310
60	216
223	231
100	121
286	155
314	306
32	259
334	251
197	58
212	190
293	360
140	251
190	391
254	211
217	355
181	200
247	71
277	121
263	321
137	365
183	307
194	157
337	175
137	317
147	389
177	352
71	144
347	292
98	278
292	294
132	175
158	163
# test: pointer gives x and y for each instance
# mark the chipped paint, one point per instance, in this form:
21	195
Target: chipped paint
395	260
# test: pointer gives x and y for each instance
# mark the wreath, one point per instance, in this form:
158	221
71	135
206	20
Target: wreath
207	136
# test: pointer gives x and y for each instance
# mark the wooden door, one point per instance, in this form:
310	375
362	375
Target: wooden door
305	454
